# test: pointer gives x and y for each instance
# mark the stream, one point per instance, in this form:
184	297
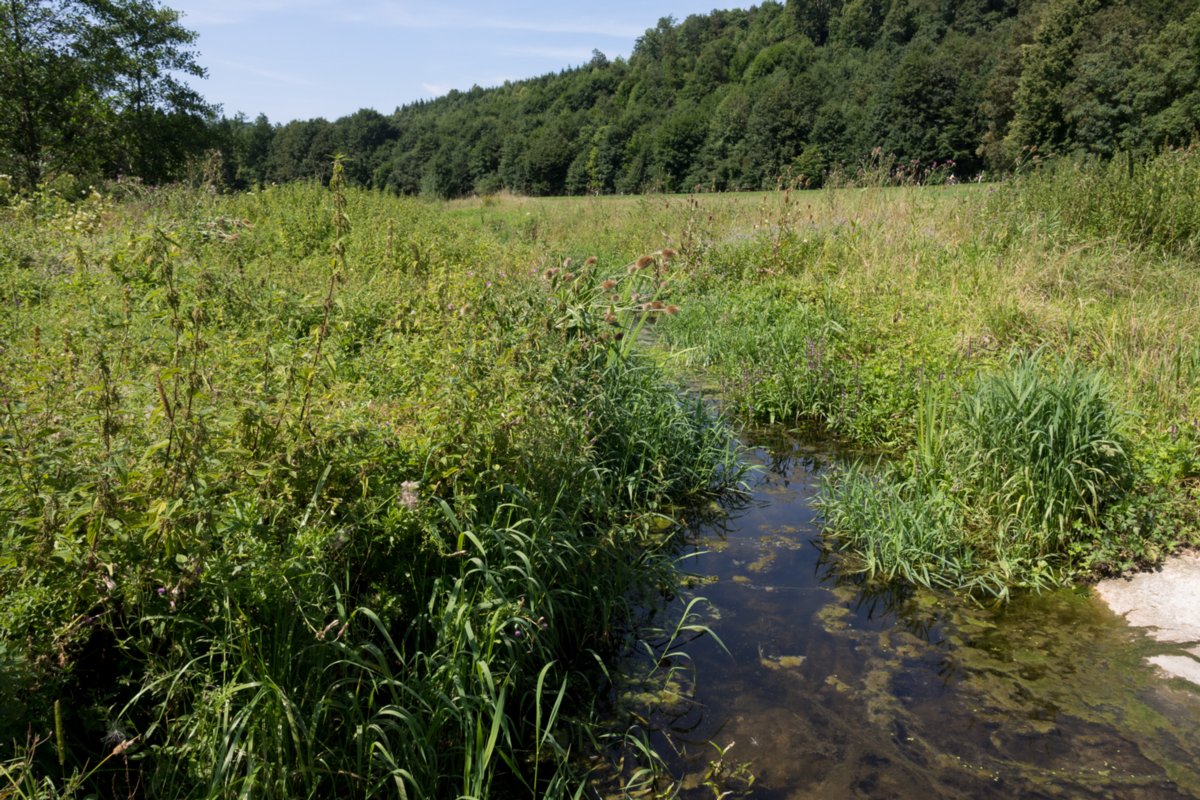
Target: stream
824	690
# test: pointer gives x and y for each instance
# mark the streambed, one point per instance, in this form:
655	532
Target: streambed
828	691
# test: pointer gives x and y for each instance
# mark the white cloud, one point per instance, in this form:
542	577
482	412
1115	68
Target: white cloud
234	12
401	14
574	55
419	16
266	74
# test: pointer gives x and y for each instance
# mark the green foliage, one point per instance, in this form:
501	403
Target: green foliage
1000	485
749	99
92	88
1148	203
320	493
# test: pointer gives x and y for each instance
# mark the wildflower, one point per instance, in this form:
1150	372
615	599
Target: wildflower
608	285
657	305
644	262
162	590
408	494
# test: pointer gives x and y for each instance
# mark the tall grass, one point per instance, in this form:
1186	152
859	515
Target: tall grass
312	493
1146	202
1002	481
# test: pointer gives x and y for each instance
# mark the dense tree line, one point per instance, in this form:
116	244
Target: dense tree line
747	98
94	88
732	99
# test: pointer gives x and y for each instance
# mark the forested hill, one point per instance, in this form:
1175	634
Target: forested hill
736	99
747	98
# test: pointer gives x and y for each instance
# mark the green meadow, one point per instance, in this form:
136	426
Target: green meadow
313	491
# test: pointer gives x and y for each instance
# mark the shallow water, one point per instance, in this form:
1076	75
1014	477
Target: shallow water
828	691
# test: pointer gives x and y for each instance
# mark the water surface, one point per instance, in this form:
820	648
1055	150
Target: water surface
830	691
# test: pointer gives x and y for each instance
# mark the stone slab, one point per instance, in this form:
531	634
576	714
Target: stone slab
1167	601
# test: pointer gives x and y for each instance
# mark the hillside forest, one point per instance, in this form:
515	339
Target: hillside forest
735	99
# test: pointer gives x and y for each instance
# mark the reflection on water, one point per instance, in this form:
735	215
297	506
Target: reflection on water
832	691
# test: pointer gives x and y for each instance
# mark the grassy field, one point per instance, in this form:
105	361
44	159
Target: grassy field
314	492
1024	357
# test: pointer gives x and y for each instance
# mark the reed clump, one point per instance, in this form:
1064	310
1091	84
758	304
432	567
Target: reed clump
1001	486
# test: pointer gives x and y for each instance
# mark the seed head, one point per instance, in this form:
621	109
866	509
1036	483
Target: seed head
608	285
408	494
644	262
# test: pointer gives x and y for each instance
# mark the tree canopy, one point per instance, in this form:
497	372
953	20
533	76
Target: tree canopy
745	99
93	87
733	99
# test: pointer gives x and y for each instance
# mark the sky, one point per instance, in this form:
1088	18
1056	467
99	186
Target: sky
299	59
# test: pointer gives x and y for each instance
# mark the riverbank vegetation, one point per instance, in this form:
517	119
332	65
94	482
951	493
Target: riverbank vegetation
1028	349
315	490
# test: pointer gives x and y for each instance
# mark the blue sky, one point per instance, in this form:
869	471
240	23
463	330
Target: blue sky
296	59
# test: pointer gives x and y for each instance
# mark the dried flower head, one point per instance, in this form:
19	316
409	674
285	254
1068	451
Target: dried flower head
667	252
644	262
589	261
608	285
408	494
672	310
657	305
